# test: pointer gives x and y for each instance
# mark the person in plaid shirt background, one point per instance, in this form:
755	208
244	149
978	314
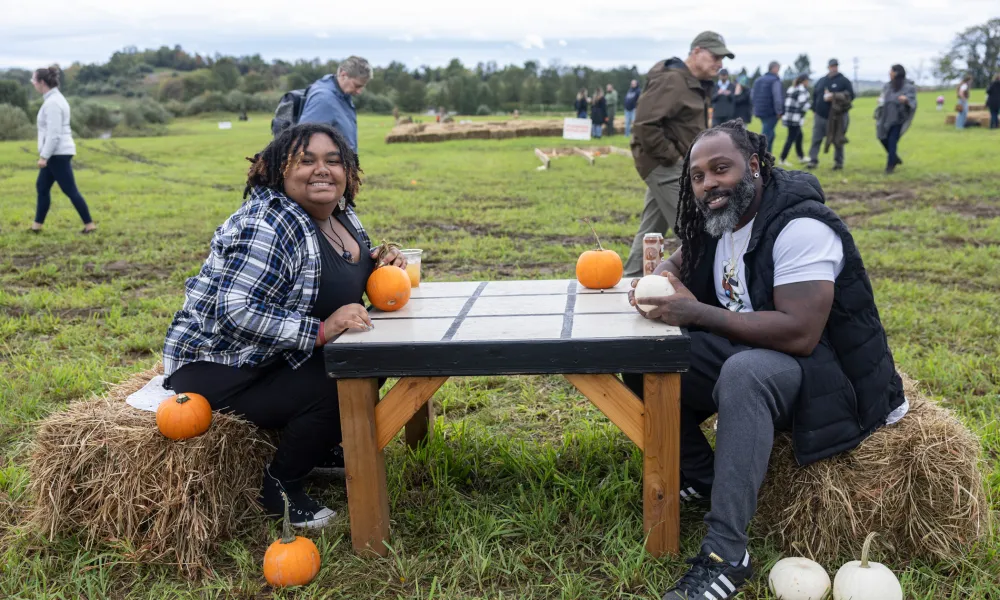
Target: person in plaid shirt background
285	273
796	108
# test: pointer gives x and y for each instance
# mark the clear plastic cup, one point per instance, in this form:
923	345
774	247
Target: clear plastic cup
412	256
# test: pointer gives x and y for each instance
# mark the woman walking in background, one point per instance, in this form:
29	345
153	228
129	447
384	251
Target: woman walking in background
598	113
796	107
55	150
963	101
896	107
581	104
993	101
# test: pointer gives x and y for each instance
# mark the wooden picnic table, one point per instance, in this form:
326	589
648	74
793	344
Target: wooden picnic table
455	329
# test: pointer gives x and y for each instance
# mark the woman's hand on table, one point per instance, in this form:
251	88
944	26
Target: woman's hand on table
392	257
349	316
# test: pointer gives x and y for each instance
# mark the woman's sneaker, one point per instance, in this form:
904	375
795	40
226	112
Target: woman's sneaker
303	511
693	493
712	578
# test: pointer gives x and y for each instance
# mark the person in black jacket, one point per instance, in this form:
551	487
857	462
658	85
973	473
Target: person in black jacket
723	99
631	102
581	104
828	85
598	113
993	101
742	107
785	335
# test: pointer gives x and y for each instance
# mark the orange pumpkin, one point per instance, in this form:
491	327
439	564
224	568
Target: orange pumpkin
290	560
183	416
388	288
599	269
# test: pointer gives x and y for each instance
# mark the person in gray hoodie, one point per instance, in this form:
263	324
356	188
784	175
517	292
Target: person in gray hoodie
896	107
55	150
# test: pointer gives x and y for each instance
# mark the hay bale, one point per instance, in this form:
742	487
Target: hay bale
919	483
101	469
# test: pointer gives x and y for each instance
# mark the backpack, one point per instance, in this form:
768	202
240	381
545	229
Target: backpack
289	110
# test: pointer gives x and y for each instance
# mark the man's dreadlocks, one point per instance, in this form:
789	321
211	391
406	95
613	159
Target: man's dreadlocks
270	166
690	226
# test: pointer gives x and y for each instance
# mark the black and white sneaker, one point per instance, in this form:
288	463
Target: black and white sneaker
711	578
303	511
694	493
332	465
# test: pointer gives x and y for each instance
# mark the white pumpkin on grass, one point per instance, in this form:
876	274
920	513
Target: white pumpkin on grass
652	286
798	578
863	580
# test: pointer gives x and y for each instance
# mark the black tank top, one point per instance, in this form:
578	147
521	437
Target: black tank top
341	282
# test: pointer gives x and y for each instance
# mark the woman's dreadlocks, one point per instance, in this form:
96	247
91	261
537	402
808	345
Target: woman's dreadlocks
690	225
270	166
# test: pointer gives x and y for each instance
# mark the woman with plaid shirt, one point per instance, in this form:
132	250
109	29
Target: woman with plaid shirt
796	106
285	273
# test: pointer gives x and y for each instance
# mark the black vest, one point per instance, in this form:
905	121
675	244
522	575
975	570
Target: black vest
849	383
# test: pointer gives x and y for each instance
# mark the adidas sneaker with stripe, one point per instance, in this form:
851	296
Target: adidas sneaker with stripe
711	578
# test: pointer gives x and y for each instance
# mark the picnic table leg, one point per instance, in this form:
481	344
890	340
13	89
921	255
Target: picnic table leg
367	497
661	463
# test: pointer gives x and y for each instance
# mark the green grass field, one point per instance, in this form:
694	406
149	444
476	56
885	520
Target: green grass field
526	490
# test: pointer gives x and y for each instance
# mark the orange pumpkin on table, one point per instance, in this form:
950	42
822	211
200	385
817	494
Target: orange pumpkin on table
291	560
388	286
599	269
183	416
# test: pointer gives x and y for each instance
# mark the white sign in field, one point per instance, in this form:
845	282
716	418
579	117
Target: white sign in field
576	129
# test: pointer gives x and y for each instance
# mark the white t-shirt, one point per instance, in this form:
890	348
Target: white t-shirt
806	250
962	88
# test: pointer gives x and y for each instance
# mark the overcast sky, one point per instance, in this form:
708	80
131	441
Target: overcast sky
877	32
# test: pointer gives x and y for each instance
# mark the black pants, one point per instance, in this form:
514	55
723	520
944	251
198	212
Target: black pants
891	143
611	124
301	403
794	137
754	392
59	170
994	118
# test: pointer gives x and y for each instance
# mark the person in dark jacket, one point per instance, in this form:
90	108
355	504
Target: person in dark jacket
832	83
785	335
631	102
581	104
723	98
896	107
598	113
673	109
993	101
768	101
742	107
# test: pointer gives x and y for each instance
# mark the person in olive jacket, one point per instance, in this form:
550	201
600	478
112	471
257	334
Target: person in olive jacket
672	110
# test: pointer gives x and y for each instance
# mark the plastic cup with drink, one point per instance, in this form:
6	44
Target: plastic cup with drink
413	256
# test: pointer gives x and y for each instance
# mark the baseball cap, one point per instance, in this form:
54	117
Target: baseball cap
713	42
833	63
723	72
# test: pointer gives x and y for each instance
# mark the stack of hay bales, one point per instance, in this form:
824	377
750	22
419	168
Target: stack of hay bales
101	469
978	115
919	483
491	130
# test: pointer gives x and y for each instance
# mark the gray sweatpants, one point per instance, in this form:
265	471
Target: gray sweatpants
754	393
663	190
819	132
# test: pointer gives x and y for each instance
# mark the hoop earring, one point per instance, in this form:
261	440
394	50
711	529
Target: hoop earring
756	175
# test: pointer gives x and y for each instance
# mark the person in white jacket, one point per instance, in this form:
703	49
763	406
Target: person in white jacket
55	150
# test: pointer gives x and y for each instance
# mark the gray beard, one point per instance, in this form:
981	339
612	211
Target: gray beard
718	222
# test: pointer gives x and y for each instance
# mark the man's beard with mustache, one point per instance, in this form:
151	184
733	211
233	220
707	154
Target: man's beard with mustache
717	222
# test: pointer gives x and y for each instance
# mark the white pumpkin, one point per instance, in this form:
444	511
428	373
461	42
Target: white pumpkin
863	580
652	286
798	578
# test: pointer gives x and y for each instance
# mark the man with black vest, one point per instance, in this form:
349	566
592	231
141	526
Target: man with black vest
785	335
768	101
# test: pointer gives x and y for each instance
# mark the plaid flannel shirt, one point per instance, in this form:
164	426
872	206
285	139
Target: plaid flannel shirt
796	106
252	297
